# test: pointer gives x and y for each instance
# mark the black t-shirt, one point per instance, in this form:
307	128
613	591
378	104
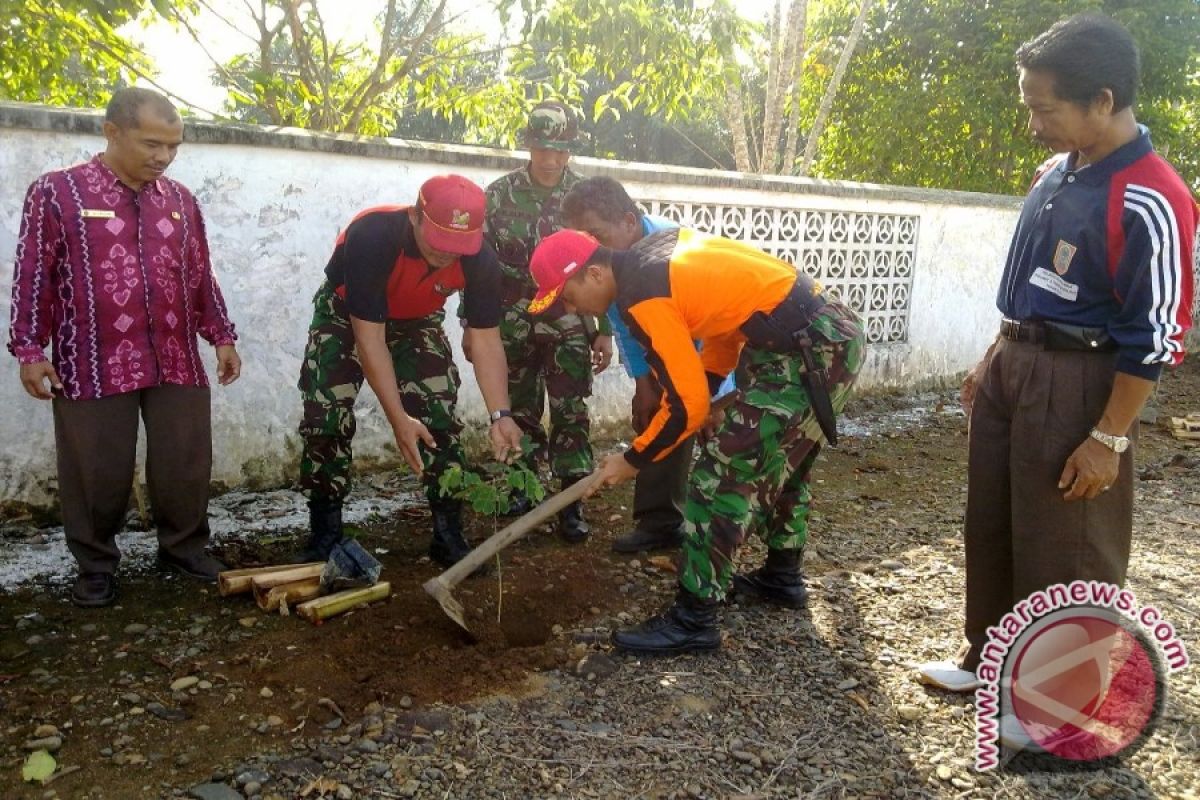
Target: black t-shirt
378	268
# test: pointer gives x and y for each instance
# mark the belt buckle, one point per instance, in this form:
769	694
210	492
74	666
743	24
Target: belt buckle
1018	331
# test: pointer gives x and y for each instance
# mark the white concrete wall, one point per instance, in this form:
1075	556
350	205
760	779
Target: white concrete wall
273	211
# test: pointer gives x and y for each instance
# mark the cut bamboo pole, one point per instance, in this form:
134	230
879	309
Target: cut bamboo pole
261	583
237	581
331	605
269	598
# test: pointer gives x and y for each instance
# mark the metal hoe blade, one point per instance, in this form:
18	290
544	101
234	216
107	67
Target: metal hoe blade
441	588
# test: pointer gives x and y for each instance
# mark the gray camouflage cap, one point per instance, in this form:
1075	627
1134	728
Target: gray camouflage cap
552	125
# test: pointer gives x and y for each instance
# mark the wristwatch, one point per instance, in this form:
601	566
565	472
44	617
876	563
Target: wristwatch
499	414
1118	444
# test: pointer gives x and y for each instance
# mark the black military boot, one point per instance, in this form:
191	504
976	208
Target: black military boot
778	581
325	530
572	527
519	503
639	540
448	545
690	625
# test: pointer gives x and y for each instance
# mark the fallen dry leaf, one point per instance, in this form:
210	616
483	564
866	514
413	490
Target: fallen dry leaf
322	786
664	563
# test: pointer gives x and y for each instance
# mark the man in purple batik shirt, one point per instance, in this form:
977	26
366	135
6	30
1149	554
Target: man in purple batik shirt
113	270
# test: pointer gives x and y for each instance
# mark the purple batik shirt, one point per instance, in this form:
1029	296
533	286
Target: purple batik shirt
118	280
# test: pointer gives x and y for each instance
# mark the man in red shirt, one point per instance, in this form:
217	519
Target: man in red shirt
112	267
378	315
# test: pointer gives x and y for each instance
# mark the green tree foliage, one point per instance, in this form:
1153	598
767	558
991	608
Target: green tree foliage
611	58
931	98
296	74
641	106
67	53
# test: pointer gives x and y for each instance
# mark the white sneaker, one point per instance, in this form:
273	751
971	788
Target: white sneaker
948	675
1014	735
1035	737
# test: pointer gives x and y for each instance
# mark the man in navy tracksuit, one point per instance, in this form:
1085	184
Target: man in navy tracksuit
1096	298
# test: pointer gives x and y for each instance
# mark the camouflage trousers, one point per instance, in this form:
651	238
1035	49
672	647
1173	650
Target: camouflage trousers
753	474
550	359
331	377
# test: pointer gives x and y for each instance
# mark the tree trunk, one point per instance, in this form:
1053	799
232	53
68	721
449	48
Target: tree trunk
798	31
814	134
735	117
773	104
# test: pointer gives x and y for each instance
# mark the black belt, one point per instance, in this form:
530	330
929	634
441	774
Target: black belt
1057	335
777	330
786	330
1030	331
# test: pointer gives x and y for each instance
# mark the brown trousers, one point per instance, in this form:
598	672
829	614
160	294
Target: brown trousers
660	491
96	442
1033	408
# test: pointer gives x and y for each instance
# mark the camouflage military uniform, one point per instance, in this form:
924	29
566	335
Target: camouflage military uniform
331	377
547	357
754	473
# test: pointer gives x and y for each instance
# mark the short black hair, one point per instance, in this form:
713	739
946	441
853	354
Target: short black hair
125	104
605	197
1086	54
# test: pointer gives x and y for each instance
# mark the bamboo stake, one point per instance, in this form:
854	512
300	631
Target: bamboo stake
269	598
237	581
331	605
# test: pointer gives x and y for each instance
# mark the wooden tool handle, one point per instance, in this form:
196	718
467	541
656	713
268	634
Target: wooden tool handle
513	531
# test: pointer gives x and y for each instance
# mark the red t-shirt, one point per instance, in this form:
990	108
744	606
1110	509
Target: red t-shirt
378	269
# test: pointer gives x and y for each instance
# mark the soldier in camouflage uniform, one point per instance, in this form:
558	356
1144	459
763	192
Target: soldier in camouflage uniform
378	316
553	356
797	353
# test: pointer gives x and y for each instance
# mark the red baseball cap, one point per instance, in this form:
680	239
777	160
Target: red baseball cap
454	208
558	257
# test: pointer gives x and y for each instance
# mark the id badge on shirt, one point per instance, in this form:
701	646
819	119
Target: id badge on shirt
97	213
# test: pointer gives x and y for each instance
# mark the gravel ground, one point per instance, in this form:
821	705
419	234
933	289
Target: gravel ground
819	703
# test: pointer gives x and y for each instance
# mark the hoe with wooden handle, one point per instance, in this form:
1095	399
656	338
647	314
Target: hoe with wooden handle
441	588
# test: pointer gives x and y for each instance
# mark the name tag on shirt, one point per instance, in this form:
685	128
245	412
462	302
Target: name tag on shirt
1045	279
98	213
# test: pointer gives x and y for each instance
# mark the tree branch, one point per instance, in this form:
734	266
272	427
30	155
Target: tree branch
835	81
431	25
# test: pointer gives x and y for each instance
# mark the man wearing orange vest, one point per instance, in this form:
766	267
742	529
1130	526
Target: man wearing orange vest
379	315
797	352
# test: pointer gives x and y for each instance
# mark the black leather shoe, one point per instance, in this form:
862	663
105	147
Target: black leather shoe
778	581
94	590
690	625
572	527
639	540
201	567
325	531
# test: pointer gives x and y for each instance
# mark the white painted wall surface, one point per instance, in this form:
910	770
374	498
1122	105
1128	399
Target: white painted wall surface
272	214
